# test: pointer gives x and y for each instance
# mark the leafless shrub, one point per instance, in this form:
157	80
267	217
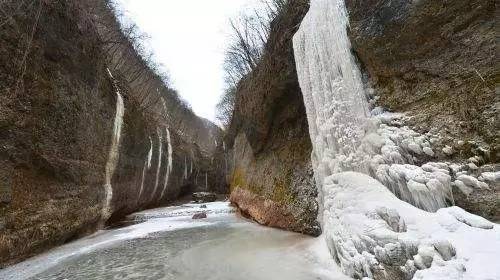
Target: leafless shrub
249	34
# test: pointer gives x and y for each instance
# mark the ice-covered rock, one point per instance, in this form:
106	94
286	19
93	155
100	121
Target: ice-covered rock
491	177
470	219
428	151
472	182
462	187
362	241
369	231
448	150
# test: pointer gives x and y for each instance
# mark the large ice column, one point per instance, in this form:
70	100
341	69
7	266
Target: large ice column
336	105
113	152
337	109
369	231
345	136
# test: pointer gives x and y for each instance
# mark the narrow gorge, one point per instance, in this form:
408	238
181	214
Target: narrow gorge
353	140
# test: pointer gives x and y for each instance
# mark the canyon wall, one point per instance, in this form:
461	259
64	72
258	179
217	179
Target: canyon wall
271	178
78	146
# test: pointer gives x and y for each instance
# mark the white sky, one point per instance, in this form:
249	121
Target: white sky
189	37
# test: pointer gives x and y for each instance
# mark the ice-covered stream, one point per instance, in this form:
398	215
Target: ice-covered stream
168	244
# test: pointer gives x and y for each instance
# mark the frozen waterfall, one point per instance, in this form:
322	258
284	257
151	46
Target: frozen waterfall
364	163
113	151
344	135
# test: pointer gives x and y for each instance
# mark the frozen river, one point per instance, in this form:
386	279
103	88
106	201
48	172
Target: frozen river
168	244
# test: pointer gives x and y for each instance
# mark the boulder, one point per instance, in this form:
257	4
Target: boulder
201	215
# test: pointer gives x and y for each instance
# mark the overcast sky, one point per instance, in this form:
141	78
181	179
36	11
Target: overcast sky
189	38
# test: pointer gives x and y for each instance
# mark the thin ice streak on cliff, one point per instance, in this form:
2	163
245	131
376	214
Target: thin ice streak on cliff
169	163
113	151
158	168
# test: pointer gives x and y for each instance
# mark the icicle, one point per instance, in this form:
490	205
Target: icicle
158	168
147	165
363	222
113	152
169	163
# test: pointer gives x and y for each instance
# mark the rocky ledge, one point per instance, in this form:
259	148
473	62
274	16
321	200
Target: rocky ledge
270	213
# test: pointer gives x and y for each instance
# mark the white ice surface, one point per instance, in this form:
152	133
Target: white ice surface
165	219
240	249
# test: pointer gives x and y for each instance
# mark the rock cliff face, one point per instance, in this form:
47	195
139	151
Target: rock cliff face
271	178
58	111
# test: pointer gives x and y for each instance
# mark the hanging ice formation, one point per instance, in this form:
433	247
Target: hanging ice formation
362	162
113	151
169	163
158	168
206	181
147	166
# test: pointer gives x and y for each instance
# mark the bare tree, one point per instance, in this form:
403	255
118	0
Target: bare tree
249	34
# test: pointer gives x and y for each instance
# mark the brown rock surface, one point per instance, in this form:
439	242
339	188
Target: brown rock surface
268	212
269	136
